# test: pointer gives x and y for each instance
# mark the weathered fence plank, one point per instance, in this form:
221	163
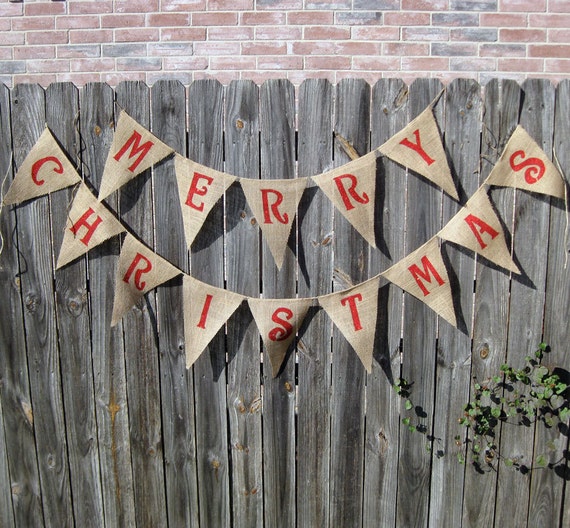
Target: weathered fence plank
206	145
352	122
96	126
140	331
14	378
315	149
6	511
242	253
453	370
278	162
35	249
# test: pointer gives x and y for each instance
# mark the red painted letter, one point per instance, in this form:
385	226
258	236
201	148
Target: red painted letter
83	222
274	207
136	149
535	168
418	274
134	264
205	310
417	147
351	301
280	334
201	191
38	165
478	226
351	190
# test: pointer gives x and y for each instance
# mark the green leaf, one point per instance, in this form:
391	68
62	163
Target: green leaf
541	461
496	412
509	462
408	405
406	421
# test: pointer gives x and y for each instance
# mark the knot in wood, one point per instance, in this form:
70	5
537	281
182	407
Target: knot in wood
32	302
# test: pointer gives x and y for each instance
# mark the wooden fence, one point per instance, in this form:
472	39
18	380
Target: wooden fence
104	426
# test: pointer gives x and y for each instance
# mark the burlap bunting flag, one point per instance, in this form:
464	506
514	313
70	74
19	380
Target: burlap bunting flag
423	274
477	227
140	270
419	147
354	312
89	223
206	309
274	205
199	189
524	165
352	190
278	321
45	169
134	149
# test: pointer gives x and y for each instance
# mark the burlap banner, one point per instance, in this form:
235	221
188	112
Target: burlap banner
134	150
140	270
89	223
419	147
352	190
206	310
524	165
424	275
477	227
274	204
199	189
354	312
278	321
45	169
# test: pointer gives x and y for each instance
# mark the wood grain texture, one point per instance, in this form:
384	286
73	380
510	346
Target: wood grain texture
315	221
6	511
108	352
141	340
24	483
243	276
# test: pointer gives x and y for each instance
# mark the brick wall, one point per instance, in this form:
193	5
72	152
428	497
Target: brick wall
113	40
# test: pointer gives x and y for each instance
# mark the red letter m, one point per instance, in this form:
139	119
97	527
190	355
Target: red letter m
424	274
136	150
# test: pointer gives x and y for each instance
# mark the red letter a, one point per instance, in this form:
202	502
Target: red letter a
478	226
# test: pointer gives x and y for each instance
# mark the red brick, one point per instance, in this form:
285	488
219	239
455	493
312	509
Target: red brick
78	51
358	48
427	34
312	48
502	50
214	19
217	48
524	6
92	65
503	20
102	36
522	35
520	65
6	54
328	63
183	5
122	21
34	23
280	63
425	5
47	37
264	18
44	8
185	63
90	8
11	38
558	35
34	52
278	33
136	6
264	48
406	19
405	49
5	24
137	35
77	22
183	34
307	17
559	51
237	33
375	33
47	66
557	65
170	49
326	33
232	63
559	6
550	21
11	9
425	63
466	64
376	63
168	20
42	79
230	5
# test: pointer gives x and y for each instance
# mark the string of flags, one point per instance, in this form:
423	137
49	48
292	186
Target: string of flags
274	203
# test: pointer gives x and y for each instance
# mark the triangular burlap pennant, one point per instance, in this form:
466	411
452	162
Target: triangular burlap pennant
354	312
352	189
274	204
524	165
423	274
134	150
477	227
278	321
139	271
46	169
89	223
199	188
419	147
206	309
